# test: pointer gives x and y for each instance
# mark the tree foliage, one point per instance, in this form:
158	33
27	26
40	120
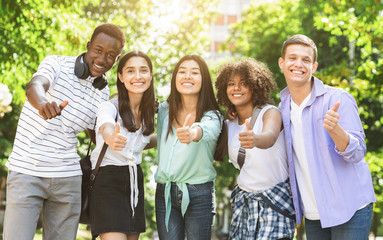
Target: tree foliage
31	30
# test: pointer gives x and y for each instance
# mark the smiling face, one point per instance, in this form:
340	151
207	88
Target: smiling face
189	78
298	65
238	92
103	52
136	75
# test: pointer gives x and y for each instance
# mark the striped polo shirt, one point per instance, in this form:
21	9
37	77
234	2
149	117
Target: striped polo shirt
48	148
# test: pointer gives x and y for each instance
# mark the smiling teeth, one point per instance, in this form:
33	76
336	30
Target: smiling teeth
137	84
187	84
299	72
98	66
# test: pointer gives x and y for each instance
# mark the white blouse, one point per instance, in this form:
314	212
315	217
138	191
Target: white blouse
136	141
130	156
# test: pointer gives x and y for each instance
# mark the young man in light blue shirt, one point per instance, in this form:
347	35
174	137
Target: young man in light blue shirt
330	180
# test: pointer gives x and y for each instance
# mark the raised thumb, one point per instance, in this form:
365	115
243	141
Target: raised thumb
336	106
118	128
248	128
186	120
63	104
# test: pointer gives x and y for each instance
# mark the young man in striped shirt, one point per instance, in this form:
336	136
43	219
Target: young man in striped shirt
44	171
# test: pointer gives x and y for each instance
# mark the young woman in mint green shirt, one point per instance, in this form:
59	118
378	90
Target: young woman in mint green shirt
189	124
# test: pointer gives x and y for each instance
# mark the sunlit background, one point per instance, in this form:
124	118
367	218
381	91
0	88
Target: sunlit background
348	33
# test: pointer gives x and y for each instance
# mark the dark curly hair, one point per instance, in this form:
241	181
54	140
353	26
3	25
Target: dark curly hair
256	75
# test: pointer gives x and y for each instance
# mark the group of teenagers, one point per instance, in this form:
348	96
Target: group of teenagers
303	158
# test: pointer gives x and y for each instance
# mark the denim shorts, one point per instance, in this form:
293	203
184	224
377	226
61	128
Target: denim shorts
197	223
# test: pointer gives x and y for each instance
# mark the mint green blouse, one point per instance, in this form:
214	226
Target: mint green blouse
185	163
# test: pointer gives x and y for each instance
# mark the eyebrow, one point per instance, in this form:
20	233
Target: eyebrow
192	68
139	67
294	54
102	47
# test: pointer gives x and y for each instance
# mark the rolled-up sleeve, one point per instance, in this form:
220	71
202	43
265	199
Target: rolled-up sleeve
349	120
211	125
106	114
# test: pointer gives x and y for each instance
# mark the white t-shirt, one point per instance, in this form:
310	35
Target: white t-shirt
48	148
263	168
136	141
302	172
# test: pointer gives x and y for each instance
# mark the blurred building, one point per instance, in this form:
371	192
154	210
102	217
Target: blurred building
229	12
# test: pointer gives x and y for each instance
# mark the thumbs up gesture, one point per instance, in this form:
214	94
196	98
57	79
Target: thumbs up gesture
247	138
185	134
331	118
49	110
116	141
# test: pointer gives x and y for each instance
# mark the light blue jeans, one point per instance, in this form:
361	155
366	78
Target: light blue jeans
197	223
357	228
59	200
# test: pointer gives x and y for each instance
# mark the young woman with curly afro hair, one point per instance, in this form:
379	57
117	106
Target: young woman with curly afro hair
261	203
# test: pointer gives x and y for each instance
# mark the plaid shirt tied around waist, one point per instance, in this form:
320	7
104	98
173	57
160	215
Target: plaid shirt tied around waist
266	215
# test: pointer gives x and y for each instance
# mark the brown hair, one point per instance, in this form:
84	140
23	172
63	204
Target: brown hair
256	75
147	107
301	40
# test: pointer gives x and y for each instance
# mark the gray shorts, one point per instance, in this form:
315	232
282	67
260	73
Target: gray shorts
58	199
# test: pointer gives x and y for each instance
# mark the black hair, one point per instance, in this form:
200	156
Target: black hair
110	30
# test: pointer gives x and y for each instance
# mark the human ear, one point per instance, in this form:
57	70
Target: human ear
315	66
118	57
281	62
119	75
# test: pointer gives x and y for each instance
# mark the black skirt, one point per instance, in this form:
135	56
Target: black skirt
110	208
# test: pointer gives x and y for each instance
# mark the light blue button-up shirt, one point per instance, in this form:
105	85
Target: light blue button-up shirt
341	180
185	163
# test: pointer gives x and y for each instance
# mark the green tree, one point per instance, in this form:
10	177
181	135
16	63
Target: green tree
360	23
31	30
262	30
265	26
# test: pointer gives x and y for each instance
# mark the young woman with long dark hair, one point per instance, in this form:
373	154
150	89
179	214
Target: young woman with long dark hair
189	124
117	198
